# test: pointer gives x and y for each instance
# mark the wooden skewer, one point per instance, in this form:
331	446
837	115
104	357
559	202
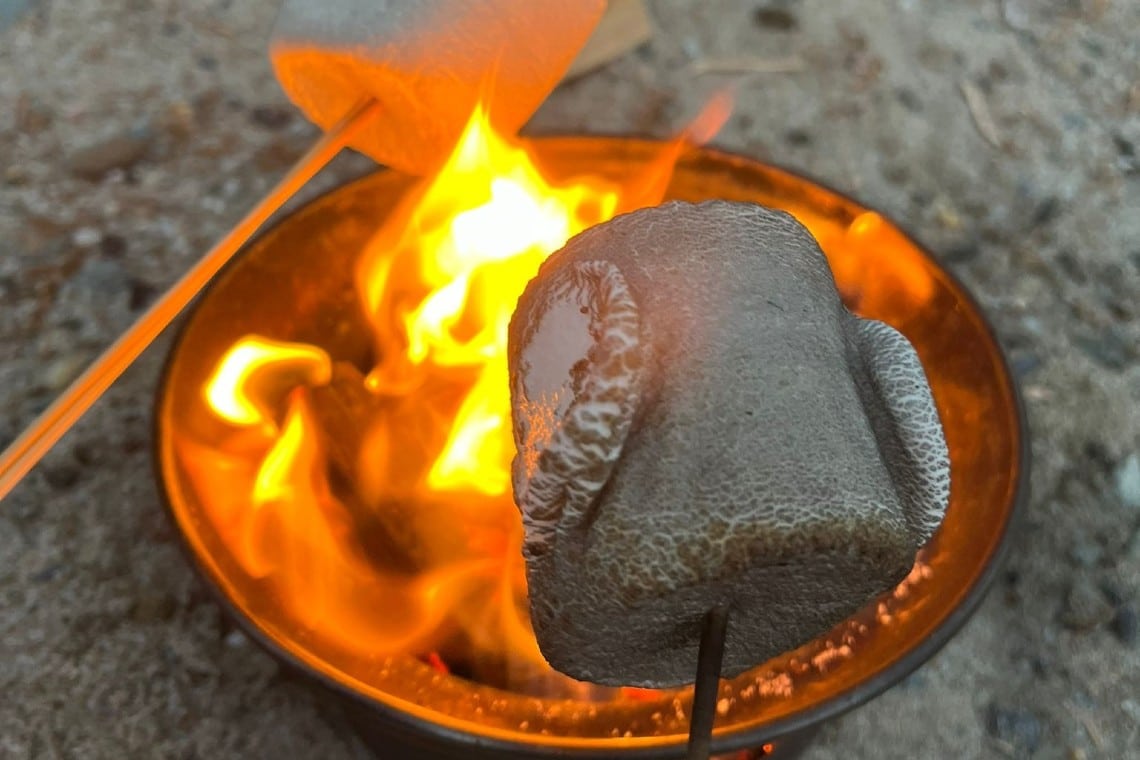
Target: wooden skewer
709	658
57	419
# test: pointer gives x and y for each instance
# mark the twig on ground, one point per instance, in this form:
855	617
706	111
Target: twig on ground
747	64
980	112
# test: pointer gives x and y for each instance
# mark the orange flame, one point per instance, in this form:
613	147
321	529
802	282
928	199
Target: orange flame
439	282
477	234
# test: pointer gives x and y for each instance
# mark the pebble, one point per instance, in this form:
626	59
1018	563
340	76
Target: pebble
1046	211
16	175
776	19
1017	14
1127	478
909	99
153	607
1124	624
1084	553
86	237
113	246
61	475
59	374
142	294
962	252
177	119
1085	607
1017	727
1024	363
235	639
271	117
797	137
120	151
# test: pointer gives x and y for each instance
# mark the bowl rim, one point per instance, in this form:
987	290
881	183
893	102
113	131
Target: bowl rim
799	723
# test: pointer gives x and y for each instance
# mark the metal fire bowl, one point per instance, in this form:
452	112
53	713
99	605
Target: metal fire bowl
295	283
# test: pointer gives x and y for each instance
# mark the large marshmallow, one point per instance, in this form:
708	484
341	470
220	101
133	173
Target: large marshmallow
700	422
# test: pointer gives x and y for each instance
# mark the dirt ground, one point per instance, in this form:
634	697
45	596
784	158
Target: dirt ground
1005	135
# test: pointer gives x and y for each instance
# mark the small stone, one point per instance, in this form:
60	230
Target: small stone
776	19
142	294
1085	607
909	99
61	475
32	116
153	607
178	119
60	372
271	117
117	152
113	246
1085	554
1127	479
235	639
86	237
1016	727
1046	211
1098	456
47	574
275	155
962	252
1017	14
797	137
16	175
1124	624
1024	363
1072	267
947	216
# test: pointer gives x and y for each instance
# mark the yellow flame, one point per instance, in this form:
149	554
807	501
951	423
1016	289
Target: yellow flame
285	468
230	390
479	231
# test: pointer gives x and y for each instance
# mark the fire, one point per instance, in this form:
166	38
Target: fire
477	233
230	390
428	458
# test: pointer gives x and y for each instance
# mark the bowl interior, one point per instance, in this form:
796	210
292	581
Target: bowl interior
295	283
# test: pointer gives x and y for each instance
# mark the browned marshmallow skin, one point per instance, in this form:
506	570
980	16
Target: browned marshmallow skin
701	422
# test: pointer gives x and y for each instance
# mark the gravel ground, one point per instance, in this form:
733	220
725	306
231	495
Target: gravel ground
134	132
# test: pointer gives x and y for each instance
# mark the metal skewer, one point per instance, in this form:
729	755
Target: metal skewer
709	658
57	419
